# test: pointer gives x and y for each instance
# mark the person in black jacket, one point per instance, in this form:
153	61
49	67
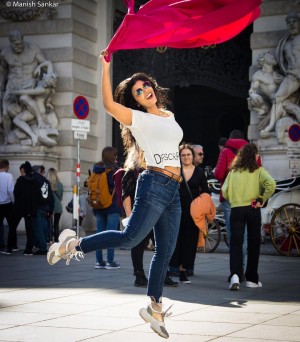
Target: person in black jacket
193	185
26	193
45	209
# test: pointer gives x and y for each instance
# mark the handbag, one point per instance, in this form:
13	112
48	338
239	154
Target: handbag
202	236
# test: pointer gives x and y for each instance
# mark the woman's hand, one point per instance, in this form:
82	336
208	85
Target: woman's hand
103	54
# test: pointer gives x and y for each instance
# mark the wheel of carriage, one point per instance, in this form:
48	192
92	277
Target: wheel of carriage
285	229
213	237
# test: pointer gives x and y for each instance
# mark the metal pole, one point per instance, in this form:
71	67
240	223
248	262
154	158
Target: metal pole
78	183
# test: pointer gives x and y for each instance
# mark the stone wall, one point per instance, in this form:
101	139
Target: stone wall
72	41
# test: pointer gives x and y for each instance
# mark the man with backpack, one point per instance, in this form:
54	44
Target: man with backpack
45	208
102	198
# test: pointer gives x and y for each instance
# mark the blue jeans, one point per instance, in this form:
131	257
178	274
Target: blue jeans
157	204
106	222
227	211
40	226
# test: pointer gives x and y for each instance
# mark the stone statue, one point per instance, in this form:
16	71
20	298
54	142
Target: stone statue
275	94
264	85
28	82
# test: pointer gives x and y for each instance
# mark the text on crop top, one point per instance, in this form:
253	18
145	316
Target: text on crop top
158	137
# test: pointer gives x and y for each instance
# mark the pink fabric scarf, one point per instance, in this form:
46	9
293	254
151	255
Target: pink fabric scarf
182	23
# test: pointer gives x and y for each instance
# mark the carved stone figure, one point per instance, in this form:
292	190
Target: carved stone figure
275	94
28	83
264	85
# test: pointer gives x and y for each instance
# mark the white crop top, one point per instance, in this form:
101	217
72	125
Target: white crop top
158	137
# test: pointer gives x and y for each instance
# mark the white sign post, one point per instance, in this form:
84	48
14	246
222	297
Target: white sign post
80	127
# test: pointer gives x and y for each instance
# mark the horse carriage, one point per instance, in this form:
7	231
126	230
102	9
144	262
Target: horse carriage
280	218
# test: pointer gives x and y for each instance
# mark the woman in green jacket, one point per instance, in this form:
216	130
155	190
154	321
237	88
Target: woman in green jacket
246	187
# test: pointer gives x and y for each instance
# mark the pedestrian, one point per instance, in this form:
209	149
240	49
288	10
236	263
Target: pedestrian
26	194
45	210
247	187
140	105
193	185
107	218
7	205
222	143
227	154
58	190
198	154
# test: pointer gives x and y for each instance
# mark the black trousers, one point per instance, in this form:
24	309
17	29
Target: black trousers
239	218
55	224
137	254
7	211
187	240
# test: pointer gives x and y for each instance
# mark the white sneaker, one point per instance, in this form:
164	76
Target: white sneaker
253	285
100	265
125	222
155	318
60	250
234	283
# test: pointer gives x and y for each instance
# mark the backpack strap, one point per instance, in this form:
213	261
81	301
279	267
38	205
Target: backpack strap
107	171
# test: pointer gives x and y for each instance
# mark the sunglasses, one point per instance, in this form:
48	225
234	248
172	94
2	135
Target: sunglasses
200	154
139	91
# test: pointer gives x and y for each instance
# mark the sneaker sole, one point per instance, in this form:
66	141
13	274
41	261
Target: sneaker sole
253	285
112	268
234	287
158	329
51	257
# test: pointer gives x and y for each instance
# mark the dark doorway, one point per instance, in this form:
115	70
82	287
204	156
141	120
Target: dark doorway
206	114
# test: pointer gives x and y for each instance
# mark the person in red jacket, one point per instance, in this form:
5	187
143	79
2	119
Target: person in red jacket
233	144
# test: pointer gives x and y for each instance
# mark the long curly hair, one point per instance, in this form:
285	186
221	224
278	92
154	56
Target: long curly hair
246	159
123	95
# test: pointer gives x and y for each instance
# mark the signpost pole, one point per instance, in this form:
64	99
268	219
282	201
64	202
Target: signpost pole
80	127
78	185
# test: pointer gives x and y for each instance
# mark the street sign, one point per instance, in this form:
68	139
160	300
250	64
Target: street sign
81	107
294	132
80	135
80	125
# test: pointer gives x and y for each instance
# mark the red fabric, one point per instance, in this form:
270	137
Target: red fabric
182	23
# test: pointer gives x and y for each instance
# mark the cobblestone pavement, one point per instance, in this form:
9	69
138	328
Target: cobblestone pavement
61	303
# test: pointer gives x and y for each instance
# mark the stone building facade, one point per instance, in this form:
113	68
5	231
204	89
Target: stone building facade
71	34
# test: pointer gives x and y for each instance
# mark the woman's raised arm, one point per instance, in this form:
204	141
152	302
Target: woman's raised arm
118	111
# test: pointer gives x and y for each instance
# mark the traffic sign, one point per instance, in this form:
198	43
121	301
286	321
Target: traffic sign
81	107
80	135
294	132
80	125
